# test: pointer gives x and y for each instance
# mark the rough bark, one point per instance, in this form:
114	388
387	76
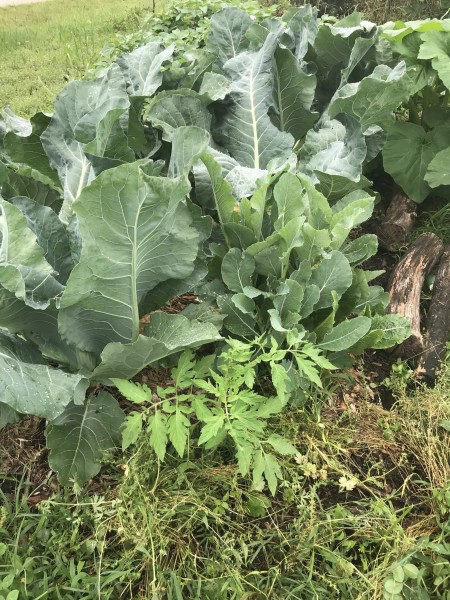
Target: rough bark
406	285
438	321
398	222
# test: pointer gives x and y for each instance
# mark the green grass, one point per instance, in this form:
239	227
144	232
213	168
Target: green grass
194	529
42	46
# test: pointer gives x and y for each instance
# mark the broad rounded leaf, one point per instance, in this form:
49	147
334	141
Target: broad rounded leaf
395	329
436	46
334	274
372	100
243	125
142	68
29	386
237	270
336	149
228	29
79	438
166	335
171	110
137	232
294	94
346	334
408	152
438	171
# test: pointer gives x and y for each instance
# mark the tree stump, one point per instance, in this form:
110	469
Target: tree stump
406	285
398	222
438	321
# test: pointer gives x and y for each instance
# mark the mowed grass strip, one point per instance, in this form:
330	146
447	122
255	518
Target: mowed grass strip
42	46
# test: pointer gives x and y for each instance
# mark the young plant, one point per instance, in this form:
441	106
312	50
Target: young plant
223	402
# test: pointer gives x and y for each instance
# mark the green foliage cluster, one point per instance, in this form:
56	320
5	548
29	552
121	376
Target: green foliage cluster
422	140
185	23
224	404
237	173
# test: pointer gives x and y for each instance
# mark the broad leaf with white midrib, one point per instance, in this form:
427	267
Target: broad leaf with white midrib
79	438
243	125
136	232
165	335
91	117
23	267
142	68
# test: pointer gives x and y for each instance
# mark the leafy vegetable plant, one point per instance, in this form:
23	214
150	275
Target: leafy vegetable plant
417	150
224	403
238	172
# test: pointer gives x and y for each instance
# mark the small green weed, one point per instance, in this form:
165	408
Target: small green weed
437	222
60	550
224	402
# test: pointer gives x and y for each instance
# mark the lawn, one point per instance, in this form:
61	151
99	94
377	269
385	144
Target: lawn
42	46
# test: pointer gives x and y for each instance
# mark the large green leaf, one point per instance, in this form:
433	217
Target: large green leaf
334	274
290	198
350	211
228	33
91	118
237	270
188	144
24	271
136	232
166	335
214	86
372	100
436	46
205	189
294	94
336	186
360	249
303	25
223	200
398	30
407	153
346	334
174	109
334	43
438	170
243	125
142	68
336	149
51	235
19	184
29	150
29	386
38	326
9	121
79	438
395	329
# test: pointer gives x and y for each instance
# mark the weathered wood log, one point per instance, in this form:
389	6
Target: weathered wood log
438	321
398	222
406	285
